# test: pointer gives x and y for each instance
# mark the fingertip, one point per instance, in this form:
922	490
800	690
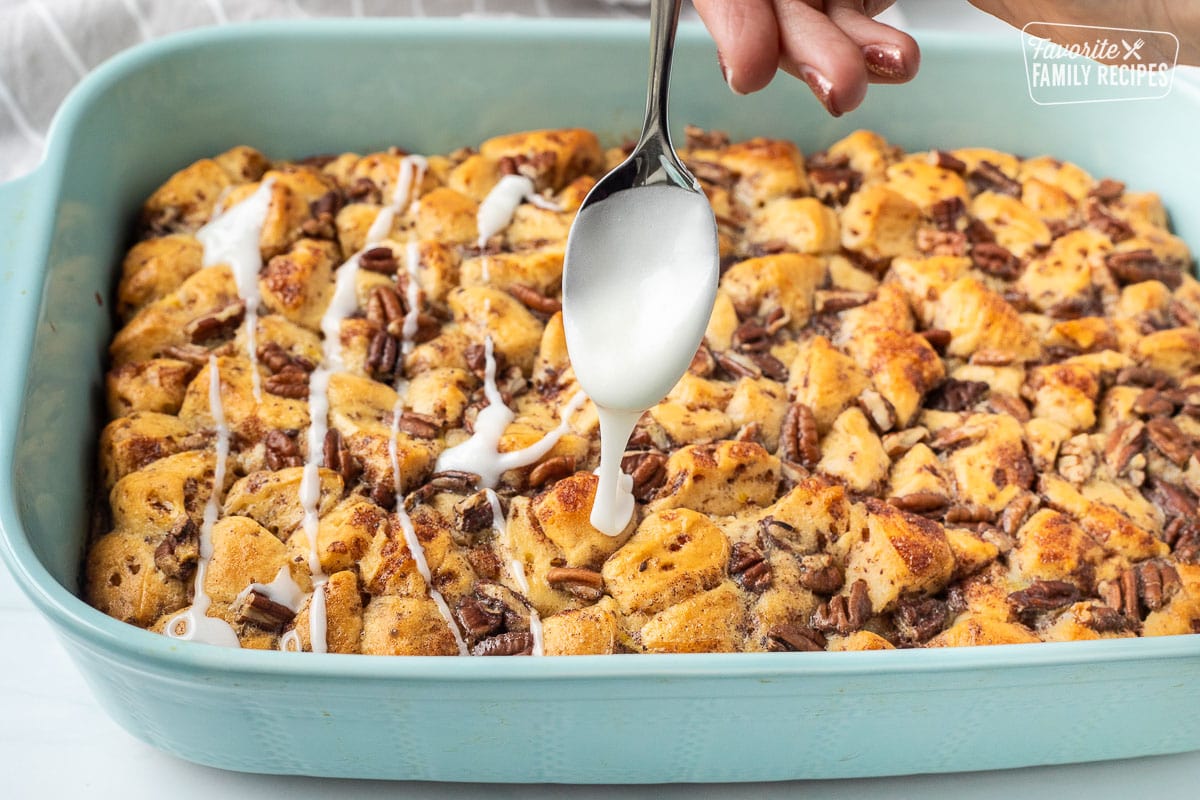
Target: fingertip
747	40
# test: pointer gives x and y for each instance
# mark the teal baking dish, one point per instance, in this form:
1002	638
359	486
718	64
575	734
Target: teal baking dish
293	89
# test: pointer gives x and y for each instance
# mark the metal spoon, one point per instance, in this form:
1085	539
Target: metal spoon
641	266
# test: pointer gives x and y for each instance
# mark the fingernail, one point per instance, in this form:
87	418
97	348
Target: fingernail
822	88
726	73
885	60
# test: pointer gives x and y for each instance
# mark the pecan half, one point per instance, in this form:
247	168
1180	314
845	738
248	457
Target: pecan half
833	301
771	366
1107	190
919	619
586	584
798	438
378	259
1043	596
820	574
938	339
339	458
920	502
944	160
535	300
795	639
551	471
648	469
996	261
989	177
512	643
177	553
276	359
1170	440
281	451
834	184
947	212
1116	229
1123	443
752	336
845	613
942	243
703	362
220	324
384	357
478	619
258	609
364	190
290	382
324	211
474	514
737	365
956	395
1153	403
421	426
1136	266
748	567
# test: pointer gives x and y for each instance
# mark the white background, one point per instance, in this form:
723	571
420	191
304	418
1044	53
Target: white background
55	742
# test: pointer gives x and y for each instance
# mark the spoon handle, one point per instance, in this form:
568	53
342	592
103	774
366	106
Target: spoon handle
664	20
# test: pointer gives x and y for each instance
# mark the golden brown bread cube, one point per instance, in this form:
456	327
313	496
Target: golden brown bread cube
157	385
405	626
154	268
673	554
824	379
720	478
582	631
120	579
708	622
898	554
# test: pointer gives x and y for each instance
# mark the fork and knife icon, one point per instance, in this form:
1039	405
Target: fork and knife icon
1131	50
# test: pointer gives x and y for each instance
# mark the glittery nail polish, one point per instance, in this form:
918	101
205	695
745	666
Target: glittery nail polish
822	88
885	61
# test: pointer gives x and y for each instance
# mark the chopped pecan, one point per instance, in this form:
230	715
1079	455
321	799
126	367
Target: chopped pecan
748	567
220	324
421	426
798	439
834	184
275	358
648	469
879	410
1170	440
989	177
770	366
1011	405
177	553
920	502
192	354
820	574
1145	376
290	382
956	395
535	300
703	362
996	261
1043	596
737	365
551	471
453	480
1136	266
324	211
795	639
512	643
977	231
944	160
364	190
898	443
947	212
1123	443
968	513
712	173
1017	511
586	584
339	458
1107	190
832	301
919	619
1116	229
477	619
259	609
474	514
845	613
941	243
1076	459
1153	403
281	451
1148	585
751	337
955	436
1103	619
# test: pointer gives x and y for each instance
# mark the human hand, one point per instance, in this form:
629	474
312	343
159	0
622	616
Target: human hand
834	46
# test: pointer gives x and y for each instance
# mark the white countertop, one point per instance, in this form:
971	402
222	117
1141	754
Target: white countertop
56	742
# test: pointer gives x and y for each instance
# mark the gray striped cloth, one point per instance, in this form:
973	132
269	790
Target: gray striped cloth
47	46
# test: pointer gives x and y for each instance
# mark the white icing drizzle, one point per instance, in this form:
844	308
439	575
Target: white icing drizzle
283	590
418	553
412	263
412	173
232	238
613	507
194	624
517	569
497	209
480	454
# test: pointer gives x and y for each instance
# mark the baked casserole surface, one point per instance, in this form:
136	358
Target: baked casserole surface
945	398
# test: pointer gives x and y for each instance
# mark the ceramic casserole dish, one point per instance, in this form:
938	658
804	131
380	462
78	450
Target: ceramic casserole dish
295	89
